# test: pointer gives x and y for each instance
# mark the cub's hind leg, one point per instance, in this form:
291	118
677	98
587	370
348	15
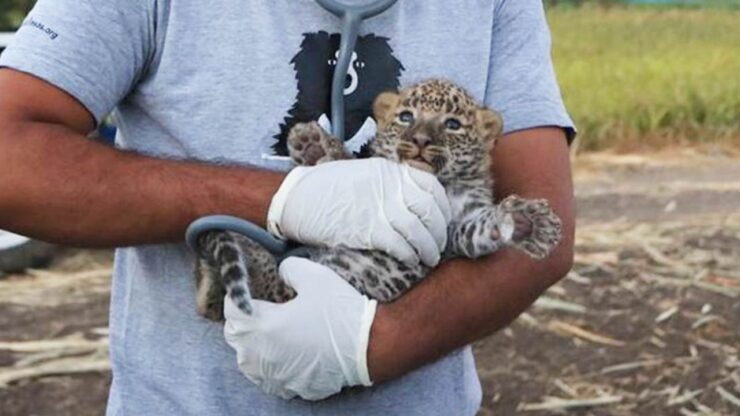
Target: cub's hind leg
309	144
210	293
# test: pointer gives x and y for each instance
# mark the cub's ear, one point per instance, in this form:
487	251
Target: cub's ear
385	106
488	123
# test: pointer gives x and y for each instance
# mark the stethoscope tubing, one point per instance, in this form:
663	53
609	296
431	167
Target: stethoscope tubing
352	17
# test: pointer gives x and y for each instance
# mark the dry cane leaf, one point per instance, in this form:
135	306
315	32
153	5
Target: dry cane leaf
557	403
53	368
568	329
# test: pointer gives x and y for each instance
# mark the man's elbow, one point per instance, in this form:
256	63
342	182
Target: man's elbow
5	161
10	165
562	264
561	261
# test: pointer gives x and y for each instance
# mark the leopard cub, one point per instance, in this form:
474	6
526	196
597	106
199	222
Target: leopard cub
435	126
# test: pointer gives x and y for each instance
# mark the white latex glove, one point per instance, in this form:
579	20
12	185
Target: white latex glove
311	346
364	204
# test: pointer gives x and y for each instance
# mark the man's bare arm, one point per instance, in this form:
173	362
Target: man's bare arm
465	300
59	186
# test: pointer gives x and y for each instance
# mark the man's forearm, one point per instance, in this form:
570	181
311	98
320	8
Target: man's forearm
462	301
59	186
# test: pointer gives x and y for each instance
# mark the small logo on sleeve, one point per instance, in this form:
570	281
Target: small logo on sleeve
42	27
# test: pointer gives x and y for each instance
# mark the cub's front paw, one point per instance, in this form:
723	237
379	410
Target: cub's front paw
533	226
309	145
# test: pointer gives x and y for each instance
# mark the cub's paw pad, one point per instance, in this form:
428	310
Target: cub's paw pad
523	227
305	143
537	230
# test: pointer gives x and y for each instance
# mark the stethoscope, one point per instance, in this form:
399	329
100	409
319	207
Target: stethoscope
352	17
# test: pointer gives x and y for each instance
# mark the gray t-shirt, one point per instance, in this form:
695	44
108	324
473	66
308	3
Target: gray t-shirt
223	81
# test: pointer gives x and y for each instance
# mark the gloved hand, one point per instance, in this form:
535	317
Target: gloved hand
364	204
311	346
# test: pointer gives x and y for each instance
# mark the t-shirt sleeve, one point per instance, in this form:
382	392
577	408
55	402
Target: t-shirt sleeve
94	50
521	84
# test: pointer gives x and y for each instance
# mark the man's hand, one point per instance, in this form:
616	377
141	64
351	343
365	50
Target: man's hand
364	204
311	346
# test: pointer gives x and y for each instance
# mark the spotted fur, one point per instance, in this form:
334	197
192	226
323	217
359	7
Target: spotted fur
434	126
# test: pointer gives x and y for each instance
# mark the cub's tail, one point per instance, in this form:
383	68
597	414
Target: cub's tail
223	249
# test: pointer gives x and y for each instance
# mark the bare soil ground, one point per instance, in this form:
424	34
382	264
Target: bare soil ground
648	322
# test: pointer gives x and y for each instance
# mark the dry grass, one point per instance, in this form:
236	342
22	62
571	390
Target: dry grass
646	324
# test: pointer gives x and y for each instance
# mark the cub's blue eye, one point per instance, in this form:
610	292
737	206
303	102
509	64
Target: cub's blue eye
406	117
453	124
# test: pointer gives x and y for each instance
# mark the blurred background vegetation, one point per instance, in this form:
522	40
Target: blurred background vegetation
636	76
634	73
655	75
12	12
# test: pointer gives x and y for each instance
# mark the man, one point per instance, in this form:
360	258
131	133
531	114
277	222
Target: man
215	83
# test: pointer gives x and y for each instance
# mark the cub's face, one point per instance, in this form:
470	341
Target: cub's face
437	127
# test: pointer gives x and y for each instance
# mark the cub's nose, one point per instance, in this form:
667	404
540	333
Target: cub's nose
421	140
